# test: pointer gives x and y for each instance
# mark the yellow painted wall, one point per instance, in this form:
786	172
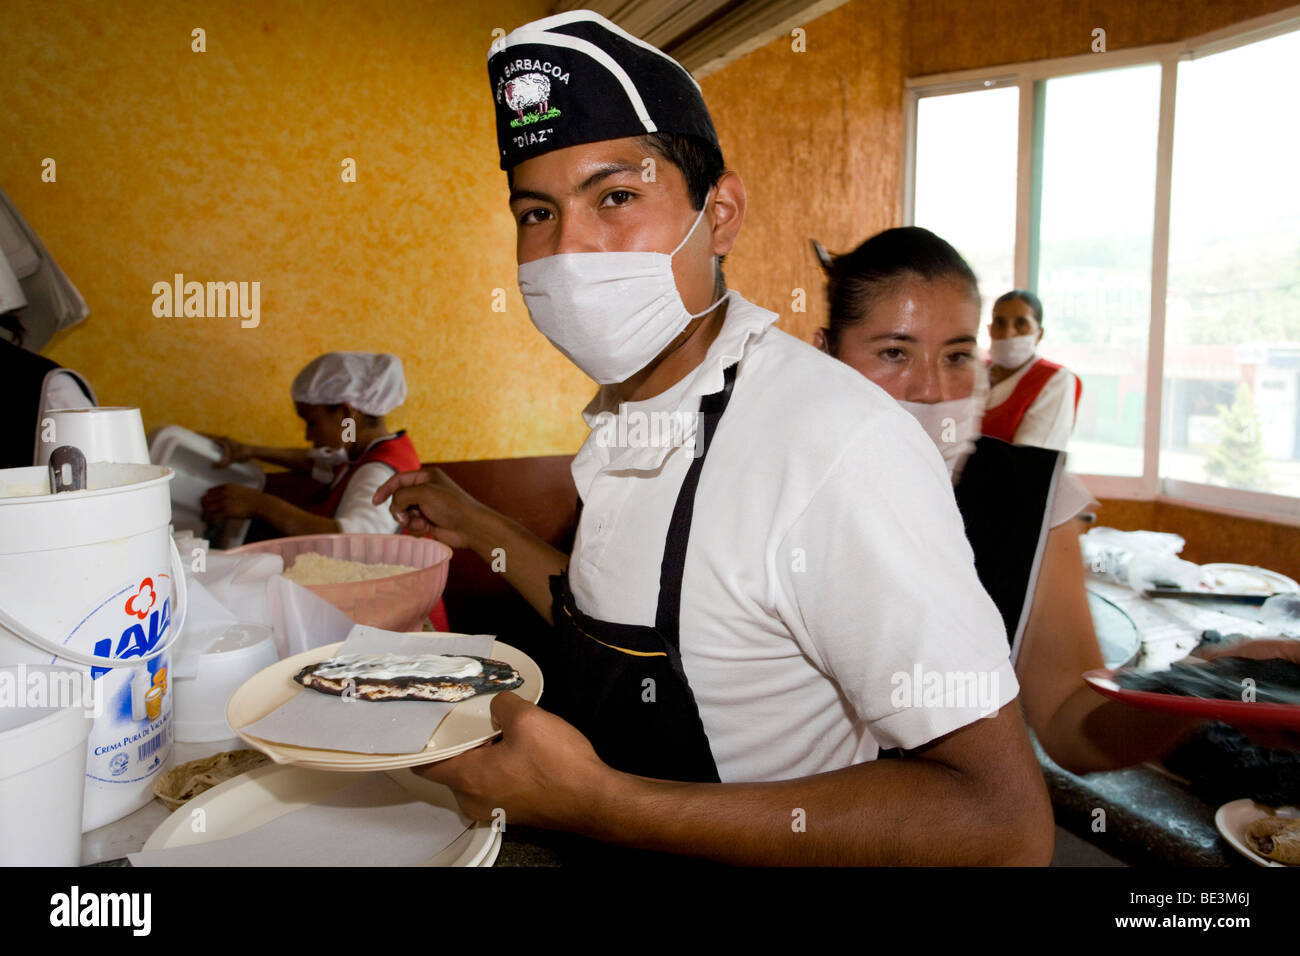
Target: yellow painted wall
225	165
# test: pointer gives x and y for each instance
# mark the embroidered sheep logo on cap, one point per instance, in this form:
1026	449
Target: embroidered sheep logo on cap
530	89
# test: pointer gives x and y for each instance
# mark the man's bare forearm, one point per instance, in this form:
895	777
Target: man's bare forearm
976	797
882	813
526	561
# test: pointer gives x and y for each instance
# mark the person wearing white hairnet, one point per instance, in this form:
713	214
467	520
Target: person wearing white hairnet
342	398
32	384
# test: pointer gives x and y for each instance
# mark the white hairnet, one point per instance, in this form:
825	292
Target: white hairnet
371	382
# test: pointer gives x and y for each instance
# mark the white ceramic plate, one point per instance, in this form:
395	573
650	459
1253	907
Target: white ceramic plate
262	795
493	852
332	761
1245	579
1233	818
467	725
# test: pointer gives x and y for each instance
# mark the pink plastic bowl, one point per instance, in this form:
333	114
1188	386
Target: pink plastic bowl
399	603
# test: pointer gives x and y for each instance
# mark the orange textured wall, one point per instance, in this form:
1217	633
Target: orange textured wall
817	137
963	34
225	165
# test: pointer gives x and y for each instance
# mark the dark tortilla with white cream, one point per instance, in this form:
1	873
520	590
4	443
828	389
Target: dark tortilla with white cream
388	677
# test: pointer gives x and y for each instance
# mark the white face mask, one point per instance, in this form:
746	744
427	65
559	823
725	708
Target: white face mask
324	461
1013	352
611	313
953	426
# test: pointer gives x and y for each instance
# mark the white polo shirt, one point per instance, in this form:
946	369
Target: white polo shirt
828	580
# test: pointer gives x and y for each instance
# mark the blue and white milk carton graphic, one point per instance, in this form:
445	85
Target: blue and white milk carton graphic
131	741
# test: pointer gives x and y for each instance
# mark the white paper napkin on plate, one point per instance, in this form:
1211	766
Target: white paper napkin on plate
373	822
326	722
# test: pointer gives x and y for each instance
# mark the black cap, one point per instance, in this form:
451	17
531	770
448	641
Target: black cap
577	78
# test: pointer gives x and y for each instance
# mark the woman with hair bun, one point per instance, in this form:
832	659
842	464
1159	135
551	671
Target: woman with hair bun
904	311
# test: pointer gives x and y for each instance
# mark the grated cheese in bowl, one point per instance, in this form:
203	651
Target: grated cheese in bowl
312	568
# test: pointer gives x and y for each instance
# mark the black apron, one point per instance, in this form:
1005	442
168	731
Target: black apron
22	381
1005	497
623	685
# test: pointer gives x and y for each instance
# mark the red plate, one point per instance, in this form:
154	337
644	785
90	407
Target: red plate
1237	712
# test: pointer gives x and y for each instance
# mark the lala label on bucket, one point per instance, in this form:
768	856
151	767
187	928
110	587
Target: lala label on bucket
130	741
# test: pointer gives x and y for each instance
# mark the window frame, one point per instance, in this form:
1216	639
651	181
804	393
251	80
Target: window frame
1029	77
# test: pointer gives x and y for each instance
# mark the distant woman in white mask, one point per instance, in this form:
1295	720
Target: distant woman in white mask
1032	401
904	311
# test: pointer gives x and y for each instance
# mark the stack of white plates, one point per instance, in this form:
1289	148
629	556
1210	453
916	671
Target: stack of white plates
260	796
467	725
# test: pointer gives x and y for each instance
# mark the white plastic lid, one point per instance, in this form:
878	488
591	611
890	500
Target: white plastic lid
239	636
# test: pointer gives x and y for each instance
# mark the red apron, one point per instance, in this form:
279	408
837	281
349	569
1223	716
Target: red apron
398	453
1003	421
395	452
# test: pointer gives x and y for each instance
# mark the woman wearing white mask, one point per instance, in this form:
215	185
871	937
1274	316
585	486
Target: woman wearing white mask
342	398
904	311
1032	401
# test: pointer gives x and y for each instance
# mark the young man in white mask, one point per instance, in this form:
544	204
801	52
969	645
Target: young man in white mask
1032	401
739	608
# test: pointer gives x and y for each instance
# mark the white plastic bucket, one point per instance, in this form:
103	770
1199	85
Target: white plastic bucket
42	765
91	579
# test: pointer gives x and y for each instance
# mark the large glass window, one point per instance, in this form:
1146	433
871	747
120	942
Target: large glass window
966	179
1092	249
1062	190
1231	412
